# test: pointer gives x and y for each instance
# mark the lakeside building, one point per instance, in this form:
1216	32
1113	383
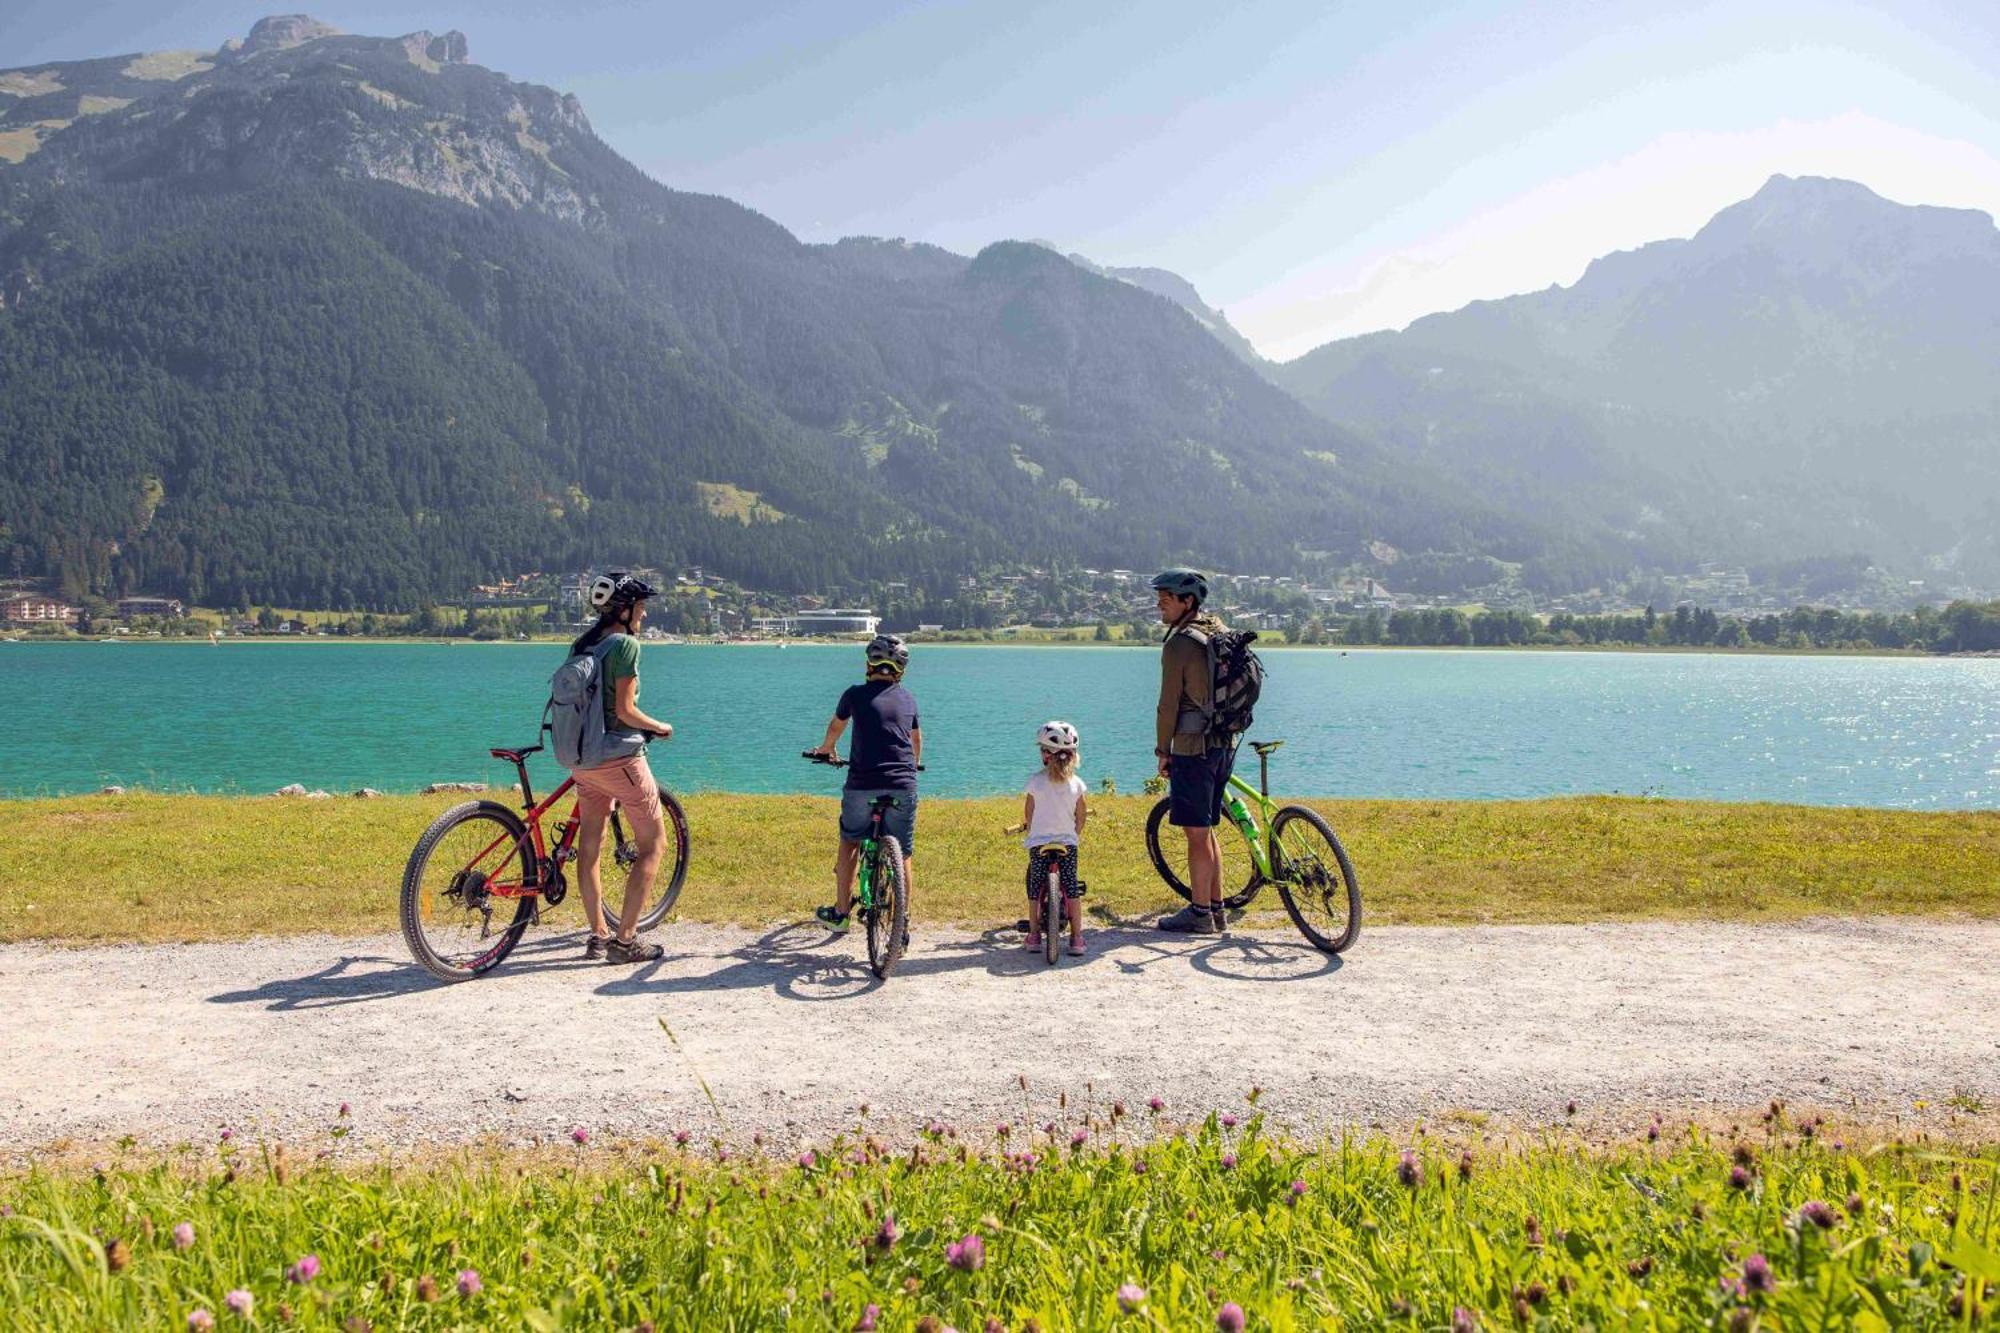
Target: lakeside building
34	610
833	620
131	608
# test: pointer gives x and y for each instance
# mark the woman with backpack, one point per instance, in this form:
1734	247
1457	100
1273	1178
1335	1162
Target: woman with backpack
620	603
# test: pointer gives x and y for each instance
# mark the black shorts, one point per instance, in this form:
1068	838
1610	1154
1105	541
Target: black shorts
1195	786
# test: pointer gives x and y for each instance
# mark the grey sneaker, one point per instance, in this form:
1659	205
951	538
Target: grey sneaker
1218	919
633	951
593	952
1190	920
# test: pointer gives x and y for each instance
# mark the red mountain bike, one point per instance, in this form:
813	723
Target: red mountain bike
478	857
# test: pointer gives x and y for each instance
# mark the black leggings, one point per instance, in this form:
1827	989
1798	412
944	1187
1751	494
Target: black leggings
1038	875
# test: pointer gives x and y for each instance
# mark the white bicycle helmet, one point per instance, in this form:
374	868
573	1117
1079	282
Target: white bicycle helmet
1057	735
617	588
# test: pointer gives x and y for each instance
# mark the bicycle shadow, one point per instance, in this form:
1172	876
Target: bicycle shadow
339	982
793	961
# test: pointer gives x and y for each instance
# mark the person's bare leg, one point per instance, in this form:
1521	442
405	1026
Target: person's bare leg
589	846
844	864
1204	868
647	838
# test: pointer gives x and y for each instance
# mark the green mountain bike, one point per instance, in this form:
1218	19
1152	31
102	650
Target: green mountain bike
881	888
1300	855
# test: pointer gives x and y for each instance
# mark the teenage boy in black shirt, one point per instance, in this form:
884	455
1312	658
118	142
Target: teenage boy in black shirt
882	760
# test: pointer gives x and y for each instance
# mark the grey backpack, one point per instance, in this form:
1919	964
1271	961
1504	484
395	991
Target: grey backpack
575	714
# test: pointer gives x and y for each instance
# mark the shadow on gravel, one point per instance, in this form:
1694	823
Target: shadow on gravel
803	961
354	978
793	960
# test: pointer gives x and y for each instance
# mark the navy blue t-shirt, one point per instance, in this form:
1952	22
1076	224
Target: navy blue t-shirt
880	756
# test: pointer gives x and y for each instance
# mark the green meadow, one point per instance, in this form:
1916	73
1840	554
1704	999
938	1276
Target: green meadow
153	867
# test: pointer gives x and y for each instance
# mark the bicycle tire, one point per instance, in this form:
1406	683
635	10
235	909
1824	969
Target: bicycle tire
411	901
1301	889
1052	919
888	921
674	844
1169	872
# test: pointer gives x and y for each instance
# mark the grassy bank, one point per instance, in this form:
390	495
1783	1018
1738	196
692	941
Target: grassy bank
1218	1228
150	867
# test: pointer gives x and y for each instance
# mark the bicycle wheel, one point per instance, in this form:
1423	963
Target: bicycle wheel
455	923
888	920
1168	848
673	866
1052	918
1315	879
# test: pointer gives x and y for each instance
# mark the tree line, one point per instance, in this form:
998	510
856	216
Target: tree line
1961	627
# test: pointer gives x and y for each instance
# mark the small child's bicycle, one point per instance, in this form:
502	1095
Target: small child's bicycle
1053	901
1301	856
881	888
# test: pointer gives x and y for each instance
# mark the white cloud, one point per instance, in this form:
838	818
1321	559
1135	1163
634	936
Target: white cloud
1547	235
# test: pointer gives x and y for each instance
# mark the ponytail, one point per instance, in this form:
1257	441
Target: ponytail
1061	765
607	620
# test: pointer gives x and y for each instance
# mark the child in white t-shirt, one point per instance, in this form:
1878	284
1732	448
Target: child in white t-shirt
1054	813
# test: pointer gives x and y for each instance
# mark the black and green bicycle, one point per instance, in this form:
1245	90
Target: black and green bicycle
1290	846
881	884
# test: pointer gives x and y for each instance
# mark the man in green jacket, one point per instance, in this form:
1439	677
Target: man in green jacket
1195	765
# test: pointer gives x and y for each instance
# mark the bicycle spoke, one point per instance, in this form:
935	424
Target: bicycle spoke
1314	879
456	924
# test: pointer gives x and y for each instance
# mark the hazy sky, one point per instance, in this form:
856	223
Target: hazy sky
1316	168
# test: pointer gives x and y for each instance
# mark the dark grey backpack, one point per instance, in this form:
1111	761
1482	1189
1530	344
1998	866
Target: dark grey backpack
1236	681
575	714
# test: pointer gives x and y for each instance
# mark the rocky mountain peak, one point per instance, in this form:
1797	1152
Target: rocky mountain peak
438	49
281	31
1819	212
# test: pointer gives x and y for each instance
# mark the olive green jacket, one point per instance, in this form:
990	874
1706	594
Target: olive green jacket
1180	723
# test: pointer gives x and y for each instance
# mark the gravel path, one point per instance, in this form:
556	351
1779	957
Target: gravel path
168	1043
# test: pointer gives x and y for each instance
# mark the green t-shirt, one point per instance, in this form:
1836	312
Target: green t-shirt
621	659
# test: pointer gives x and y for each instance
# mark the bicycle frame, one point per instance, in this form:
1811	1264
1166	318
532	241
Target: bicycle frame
546	859
1254	827
866	856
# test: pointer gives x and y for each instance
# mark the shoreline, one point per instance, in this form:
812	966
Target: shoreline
1590	649
509	793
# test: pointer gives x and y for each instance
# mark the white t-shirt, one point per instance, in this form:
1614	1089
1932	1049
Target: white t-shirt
1055	810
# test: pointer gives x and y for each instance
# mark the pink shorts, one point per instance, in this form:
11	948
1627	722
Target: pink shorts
628	782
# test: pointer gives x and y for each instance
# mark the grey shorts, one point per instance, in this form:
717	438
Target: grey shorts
899	821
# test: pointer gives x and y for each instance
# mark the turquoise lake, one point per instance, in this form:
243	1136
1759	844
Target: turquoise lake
250	717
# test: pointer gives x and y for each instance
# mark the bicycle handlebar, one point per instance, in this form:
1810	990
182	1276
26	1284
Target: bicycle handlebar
832	761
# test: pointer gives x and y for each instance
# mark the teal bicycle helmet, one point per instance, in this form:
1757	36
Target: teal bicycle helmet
1183	583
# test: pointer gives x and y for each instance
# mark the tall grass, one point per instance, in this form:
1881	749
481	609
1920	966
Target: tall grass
1119	1231
154	867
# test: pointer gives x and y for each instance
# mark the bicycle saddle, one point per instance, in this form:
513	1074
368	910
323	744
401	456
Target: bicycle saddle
1265	747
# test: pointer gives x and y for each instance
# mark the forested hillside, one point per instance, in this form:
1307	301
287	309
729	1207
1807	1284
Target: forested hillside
350	321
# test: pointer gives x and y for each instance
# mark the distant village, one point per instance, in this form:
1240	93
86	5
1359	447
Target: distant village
1112	603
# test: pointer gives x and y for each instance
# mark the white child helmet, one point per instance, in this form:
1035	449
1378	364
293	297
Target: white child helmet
1056	736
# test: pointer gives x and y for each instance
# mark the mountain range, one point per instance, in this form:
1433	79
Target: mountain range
343	320
1811	374
353	321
